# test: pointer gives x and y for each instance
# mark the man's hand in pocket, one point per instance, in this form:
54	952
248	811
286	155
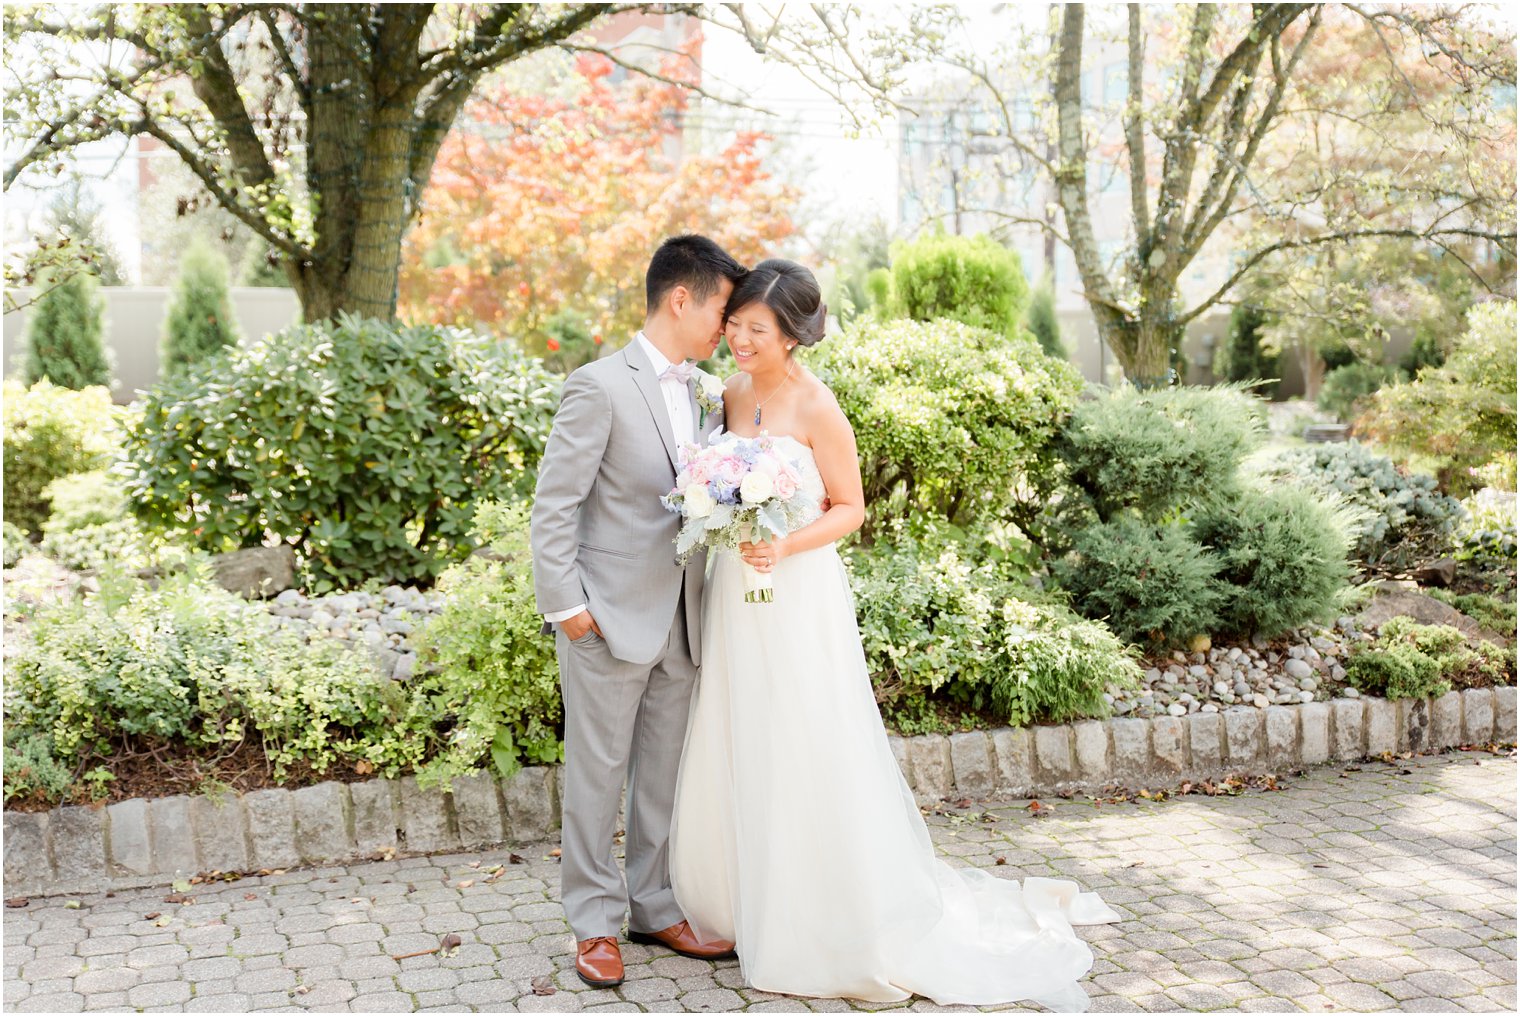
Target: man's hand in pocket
576	627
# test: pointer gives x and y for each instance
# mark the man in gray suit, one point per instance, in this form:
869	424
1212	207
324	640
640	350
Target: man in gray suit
627	615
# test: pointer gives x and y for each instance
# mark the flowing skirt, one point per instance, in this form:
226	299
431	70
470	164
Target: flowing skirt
796	836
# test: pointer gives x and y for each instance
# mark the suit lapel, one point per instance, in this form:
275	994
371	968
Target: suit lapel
649	387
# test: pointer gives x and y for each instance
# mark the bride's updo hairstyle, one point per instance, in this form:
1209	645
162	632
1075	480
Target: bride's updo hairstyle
792	294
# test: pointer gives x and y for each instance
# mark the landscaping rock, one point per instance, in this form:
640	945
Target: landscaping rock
171	836
971	762
256	572
323	822
1090	741
1052	752
1014	752
271	828
1504	713
1348	728
1314	732
529	797
1395	600
221	838
376	816
1446	721
128	848
478	810
929	757
26	855
1477	715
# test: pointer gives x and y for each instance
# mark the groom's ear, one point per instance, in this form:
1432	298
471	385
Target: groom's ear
677	299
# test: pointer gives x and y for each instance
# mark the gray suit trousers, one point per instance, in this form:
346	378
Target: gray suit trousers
622	721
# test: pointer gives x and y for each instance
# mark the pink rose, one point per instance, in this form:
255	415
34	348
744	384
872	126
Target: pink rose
697	472
786	486
730	470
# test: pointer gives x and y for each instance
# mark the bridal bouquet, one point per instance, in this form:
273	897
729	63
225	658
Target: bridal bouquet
741	489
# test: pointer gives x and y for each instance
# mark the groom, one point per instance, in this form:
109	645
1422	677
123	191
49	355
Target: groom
627	615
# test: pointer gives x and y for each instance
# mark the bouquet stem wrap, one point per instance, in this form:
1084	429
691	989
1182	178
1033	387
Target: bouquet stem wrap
757	584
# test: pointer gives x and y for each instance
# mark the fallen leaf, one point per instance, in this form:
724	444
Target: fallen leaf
516	859
451	942
542	985
466	883
364	767
162	922
1000	860
151	917
473	864
1134	864
554	852
964	802
300	989
17	901
177	898
250	896
71	905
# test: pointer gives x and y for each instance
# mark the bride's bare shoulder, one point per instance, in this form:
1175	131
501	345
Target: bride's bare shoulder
820	407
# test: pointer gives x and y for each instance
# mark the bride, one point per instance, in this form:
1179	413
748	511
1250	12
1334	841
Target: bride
795	835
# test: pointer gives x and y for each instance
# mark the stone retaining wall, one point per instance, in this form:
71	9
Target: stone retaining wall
152	841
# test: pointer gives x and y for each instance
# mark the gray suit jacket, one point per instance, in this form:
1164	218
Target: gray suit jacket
599	533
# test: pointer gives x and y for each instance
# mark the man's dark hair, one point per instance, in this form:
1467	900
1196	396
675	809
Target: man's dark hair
691	261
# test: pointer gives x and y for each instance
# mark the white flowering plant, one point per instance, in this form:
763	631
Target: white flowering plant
738	490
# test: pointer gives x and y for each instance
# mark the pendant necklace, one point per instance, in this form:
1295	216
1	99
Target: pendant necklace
772	395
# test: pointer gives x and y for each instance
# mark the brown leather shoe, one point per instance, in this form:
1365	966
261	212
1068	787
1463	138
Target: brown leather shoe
599	962
683	940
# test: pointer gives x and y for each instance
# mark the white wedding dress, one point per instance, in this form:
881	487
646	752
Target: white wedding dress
796	836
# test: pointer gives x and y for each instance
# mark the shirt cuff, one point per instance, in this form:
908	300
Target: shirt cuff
564	615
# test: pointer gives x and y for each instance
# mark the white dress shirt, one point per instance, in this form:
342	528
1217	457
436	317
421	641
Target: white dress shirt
677	396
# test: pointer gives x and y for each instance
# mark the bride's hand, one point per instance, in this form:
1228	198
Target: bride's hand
763	557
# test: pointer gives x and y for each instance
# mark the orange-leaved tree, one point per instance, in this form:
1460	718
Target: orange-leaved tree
543	210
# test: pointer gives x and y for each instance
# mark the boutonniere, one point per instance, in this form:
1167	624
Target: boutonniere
709	397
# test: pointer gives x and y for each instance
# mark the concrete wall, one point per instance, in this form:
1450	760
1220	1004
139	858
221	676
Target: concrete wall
135	322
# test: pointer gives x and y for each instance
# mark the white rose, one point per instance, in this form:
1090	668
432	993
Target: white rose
757	486
698	502
712	388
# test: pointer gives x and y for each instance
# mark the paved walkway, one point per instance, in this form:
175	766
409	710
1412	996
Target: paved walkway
1361	888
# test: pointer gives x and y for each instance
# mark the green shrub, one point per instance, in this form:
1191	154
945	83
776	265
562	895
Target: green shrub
1461	414
952	422
490	669
1149	582
1056	666
879	290
1394	672
52	432
1241	358
1283	555
191	666
92	526
1041	321
16	544
1486	535
1156	450
200	322
937	626
1491	612
64	334
33	775
926	616
362	443
974	280
1411	660
1404	517
1345	390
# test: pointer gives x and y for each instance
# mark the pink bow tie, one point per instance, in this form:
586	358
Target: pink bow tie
682	371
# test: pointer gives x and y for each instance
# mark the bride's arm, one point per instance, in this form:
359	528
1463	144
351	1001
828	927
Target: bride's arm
834	450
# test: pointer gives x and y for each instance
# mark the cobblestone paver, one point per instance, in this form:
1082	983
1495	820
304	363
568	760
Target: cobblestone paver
1358	888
